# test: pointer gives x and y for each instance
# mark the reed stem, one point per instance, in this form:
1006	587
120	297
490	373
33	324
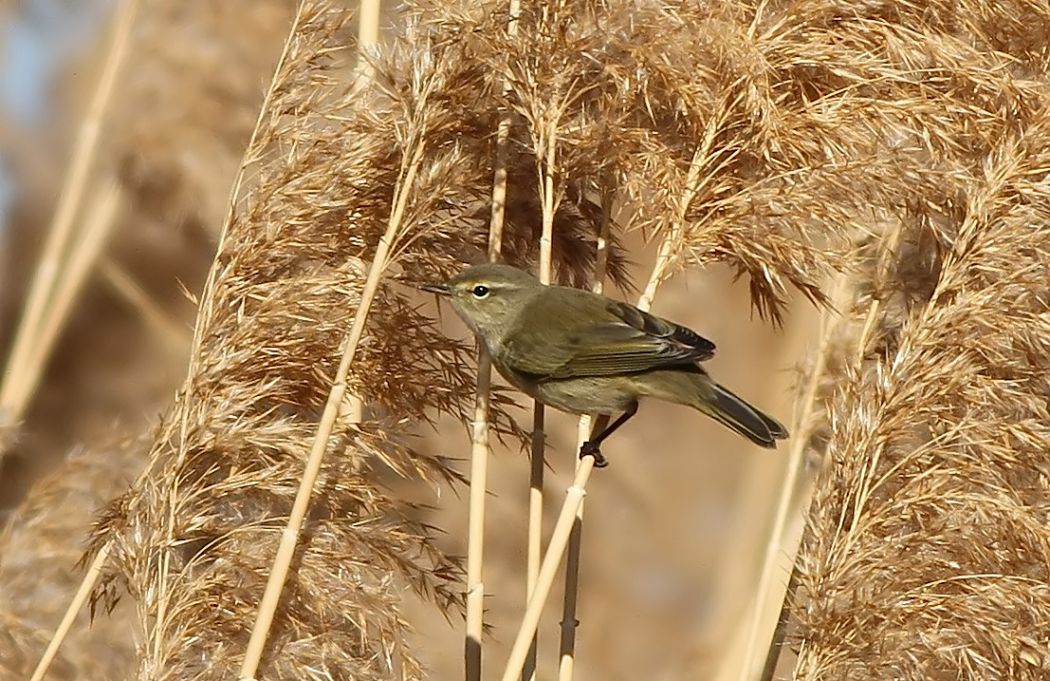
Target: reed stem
479	451
19	374
70	616
290	535
569	621
537	461
100	219
548	569
887	248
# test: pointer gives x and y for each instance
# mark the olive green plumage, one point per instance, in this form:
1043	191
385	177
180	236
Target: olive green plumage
587	354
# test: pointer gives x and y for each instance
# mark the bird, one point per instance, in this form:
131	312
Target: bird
584	353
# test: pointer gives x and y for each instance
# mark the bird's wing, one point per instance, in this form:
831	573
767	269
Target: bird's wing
620	339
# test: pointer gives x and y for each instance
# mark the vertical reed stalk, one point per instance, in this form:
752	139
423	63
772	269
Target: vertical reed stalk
569	623
567	518
290	535
367	34
549	568
535	537
100	218
790	490
368	30
801	429
19	375
81	597
479	452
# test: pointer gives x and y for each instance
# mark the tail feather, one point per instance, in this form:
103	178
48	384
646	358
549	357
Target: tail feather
733	412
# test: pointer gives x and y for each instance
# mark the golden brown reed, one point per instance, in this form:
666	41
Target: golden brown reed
762	136
196	535
927	530
42	544
928	549
755	163
290	267
113	364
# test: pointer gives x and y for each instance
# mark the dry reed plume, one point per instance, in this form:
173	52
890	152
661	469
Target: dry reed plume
42	544
903	146
927	550
292	262
928	534
117	354
930	519
197	532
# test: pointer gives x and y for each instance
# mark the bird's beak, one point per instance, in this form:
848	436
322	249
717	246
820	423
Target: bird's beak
440	289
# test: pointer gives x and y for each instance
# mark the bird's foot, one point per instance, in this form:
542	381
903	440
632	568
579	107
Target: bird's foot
591	449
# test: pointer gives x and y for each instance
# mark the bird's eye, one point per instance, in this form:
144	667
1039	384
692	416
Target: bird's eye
480	291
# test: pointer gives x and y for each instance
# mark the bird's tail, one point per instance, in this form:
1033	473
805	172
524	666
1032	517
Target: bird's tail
726	408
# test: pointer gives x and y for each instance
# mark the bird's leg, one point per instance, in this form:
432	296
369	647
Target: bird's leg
588	448
592	447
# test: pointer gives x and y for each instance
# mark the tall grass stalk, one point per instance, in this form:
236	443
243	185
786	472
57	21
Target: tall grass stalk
81	597
545	140
569	519
21	372
290	536
101	215
569	621
559	540
480	450
789	505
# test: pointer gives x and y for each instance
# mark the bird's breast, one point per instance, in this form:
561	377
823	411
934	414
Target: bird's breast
585	395
521	381
588	394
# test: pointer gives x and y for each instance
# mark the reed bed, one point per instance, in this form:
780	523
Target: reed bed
43	544
120	333
320	164
928	531
885	163
323	174
887	448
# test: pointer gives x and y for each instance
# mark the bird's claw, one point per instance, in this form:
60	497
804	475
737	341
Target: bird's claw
590	449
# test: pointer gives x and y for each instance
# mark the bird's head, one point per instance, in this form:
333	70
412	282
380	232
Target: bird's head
488	297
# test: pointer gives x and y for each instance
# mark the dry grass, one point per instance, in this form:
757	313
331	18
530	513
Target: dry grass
931	514
899	148
283	288
116	357
928	535
271	318
42	546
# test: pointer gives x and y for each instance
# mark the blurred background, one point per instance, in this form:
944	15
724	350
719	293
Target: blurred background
675	528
